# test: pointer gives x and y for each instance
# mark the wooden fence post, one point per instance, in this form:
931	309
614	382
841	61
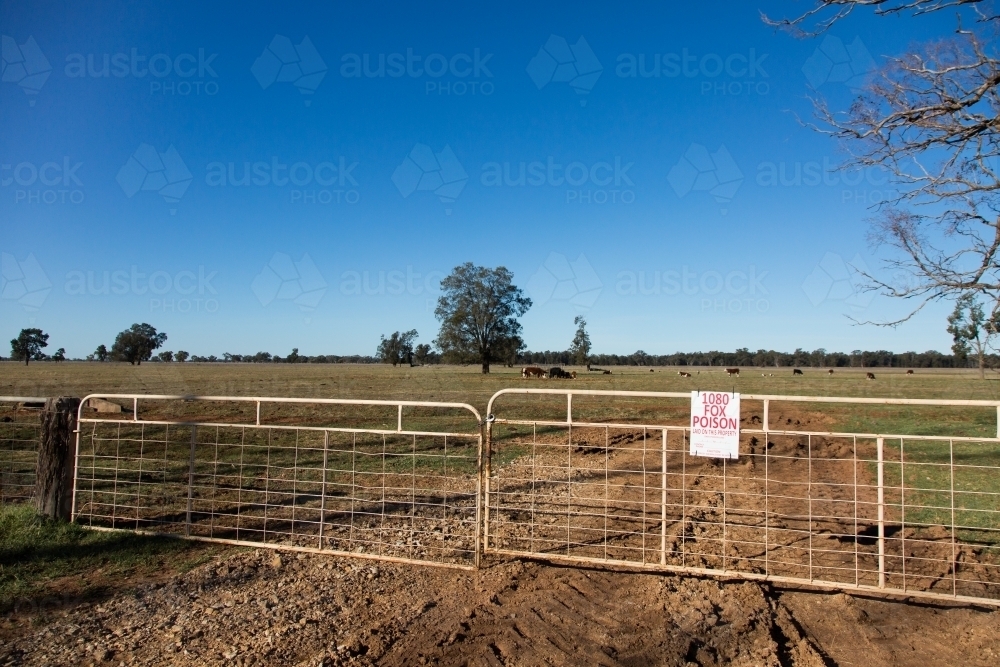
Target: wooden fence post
56	458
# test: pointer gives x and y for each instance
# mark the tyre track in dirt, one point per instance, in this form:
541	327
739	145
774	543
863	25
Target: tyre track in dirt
257	607
565	616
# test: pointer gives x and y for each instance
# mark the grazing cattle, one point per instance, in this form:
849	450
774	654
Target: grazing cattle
650	370
557	373
683	374
733	371
909	372
869	376
607	372
829	372
572	375
796	371
532	372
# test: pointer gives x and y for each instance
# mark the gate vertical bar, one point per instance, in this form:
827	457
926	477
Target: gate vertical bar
194	440
76	459
879	443
954	539
322	497
767	492
663	502
477	557
809	491
485	454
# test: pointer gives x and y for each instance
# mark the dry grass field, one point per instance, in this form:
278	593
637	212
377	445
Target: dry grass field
464	383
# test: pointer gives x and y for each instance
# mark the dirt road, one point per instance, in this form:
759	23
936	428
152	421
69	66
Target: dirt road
260	608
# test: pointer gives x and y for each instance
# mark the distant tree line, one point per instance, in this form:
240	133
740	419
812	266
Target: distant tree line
770	359
479	310
292	357
138	343
424	355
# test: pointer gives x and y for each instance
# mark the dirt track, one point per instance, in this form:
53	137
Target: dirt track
256	608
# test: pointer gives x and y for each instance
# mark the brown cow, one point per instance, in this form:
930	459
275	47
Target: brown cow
683	374
909	372
796	371
869	376
829	372
733	371
532	372
607	373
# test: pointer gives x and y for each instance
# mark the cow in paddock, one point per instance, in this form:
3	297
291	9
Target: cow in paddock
683	374
532	372
733	371
796	371
606	373
556	373
829	372
909	372
869	376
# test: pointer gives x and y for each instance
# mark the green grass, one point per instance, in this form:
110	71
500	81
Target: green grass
925	483
37	556
917	420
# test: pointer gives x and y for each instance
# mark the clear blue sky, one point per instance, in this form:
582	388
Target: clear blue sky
645	166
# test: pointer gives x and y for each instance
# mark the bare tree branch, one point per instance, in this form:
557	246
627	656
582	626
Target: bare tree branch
931	120
826	13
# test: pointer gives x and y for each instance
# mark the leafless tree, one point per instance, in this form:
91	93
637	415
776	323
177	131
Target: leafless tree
931	119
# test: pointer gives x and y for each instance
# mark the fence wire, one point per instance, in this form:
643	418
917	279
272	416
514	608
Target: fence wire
399	495
909	514
20	431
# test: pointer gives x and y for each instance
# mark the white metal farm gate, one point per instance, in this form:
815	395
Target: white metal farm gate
596	482
391	480
917	515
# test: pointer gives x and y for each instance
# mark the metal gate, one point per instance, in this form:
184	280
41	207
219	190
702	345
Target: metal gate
391	480
908	514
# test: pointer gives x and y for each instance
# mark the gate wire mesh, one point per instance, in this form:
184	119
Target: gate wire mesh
386	493
918	515
20	431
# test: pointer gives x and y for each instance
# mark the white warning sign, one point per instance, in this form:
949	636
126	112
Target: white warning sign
715	424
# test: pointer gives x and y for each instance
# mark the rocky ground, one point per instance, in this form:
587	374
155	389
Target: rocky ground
260	607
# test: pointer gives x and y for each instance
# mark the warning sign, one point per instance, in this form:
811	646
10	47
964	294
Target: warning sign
715	424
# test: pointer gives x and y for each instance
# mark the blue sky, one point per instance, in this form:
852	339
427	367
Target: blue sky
671	193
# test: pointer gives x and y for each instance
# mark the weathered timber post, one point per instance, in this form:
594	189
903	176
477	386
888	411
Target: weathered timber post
56	458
